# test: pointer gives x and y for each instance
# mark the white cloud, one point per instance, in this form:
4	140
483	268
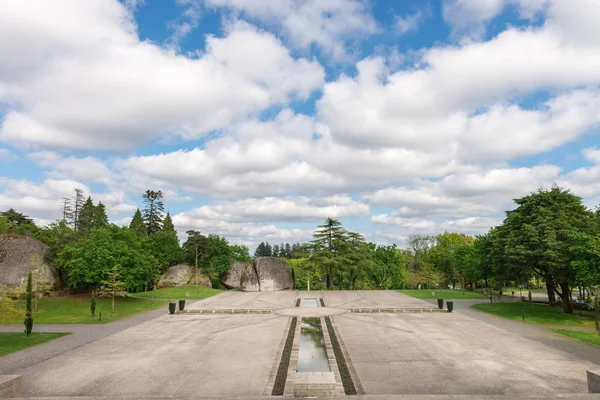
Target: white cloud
103	88
470	17
249	234
43	201
88	169
187	21
486	193
286	209
409	22
328	24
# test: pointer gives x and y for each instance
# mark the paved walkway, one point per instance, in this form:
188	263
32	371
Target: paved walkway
81	335
582	350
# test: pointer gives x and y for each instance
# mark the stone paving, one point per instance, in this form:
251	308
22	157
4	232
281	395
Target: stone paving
228	356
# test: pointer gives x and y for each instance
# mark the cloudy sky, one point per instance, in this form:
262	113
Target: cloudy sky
260	118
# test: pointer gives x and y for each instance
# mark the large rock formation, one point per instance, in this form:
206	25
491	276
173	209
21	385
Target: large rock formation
231	279
265	274
18	255
182	274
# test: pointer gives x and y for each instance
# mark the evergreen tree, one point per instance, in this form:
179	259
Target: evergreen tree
100	217
268	250
28	318
137	223
153	211
260	249
275	251
168	224
328	247
288	251
86	217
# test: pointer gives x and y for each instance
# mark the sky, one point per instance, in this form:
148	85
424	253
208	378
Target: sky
258	119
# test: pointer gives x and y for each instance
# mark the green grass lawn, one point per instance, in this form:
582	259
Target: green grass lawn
542	314
76	309
584	336
11	342
178	293
446	294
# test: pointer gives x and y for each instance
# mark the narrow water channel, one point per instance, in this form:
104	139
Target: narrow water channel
312	354
309	303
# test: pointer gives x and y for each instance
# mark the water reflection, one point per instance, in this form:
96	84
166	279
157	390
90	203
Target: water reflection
312	354
309	303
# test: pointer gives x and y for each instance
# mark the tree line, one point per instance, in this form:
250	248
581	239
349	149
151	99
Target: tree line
88	251
264	249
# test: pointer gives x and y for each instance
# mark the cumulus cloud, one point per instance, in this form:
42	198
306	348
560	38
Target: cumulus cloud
327	24
286	209
103	88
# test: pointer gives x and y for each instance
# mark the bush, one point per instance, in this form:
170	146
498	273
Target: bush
28	318
93	303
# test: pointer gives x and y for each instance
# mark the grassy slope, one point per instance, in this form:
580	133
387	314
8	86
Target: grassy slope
542	314
446	294
76	309
178	293
588	337
11	342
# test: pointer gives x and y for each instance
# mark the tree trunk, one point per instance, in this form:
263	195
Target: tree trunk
550	290
330	278
566	298
113	303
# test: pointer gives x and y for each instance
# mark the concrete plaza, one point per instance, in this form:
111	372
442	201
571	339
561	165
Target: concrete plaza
234	355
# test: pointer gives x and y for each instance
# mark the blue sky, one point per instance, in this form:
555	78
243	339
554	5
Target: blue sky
258	119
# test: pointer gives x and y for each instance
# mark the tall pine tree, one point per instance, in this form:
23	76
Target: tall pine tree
137	223
100	217
168	224
86	217
153	211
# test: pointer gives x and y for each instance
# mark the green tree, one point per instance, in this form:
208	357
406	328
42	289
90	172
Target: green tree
90	260
586	258
56	236
100	217
153	211
239	252
328	247
197	250
387	268
443	257
220	255
112	286
28	318
18	223
137	224
86	217
93	303
164	246
168	224
5	226
538	238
